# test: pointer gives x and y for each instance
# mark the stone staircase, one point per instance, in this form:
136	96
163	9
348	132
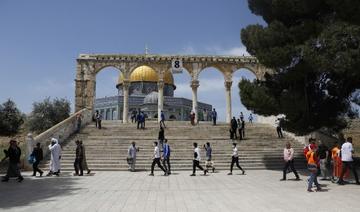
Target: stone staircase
106	149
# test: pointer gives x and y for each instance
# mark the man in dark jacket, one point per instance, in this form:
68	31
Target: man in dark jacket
78	159
13	153
234	126
38	155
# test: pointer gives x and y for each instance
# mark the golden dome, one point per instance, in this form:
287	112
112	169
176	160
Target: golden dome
147	74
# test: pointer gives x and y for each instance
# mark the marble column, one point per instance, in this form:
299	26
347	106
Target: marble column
228	100
160	98
194	86
126	86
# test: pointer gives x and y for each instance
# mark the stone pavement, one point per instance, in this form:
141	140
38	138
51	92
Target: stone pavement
258	190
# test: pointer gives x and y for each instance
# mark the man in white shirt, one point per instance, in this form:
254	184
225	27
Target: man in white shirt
235	159
196	161
156	160
347	152
131	159
289	161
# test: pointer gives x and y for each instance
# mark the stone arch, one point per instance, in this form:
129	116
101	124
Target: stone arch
220	69
101	67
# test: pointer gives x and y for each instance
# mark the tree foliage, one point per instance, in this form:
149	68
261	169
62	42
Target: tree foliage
11	118
48	113
314	48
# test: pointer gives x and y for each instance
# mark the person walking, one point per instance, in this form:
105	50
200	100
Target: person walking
161	136
323	157
242	128
241	116
14	154
347	152
192	118
55	150
98	118
313	163
138	120
289	161
84	162
143	119
78	159
234	126
196	160
162	119
37	153
250	118
166	157
156	160
78	122
131	159
235	160
278	128
209	163
214	116
239	129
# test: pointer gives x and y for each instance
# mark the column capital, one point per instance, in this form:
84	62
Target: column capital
160	84
228	85
195	84
126	84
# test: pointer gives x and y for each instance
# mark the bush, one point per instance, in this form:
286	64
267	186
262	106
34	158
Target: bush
48	113
11	118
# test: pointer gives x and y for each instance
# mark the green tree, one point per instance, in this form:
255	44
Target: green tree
314	48
11	118
48	113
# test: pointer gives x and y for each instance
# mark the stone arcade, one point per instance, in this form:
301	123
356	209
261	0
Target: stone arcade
88	65
143	96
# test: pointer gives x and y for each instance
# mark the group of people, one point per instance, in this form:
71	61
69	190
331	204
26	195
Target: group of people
322	160
140	120
162	153
237	127
213	116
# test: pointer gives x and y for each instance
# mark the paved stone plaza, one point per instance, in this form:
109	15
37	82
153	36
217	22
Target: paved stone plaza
124	191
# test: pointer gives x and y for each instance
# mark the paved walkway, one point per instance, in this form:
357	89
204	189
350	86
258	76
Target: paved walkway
124	191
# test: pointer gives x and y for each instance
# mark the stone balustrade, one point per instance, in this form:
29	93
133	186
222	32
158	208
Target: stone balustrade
60	131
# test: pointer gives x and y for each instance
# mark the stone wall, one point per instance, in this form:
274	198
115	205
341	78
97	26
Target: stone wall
61	131
270	120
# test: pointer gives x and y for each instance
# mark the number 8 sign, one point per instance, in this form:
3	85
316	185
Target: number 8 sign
176	66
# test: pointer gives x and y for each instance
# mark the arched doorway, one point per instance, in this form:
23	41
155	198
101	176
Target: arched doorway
212	91
237	106
106	99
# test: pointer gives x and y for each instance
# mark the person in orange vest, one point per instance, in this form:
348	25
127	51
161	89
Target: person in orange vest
313	166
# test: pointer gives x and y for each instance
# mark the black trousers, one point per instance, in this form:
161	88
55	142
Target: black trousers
166	164
78	166
290	164
214	121
196	163
157	161
235	160
138	124
235	133
240	134
279	132
348	165
36	167
98	124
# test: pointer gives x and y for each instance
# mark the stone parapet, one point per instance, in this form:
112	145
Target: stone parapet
61	131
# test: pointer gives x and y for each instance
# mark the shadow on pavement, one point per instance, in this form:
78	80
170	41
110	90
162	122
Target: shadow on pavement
32	190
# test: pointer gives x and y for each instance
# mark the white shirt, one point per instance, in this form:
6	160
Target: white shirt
197	150
346	151
288	154
235	153
156	152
